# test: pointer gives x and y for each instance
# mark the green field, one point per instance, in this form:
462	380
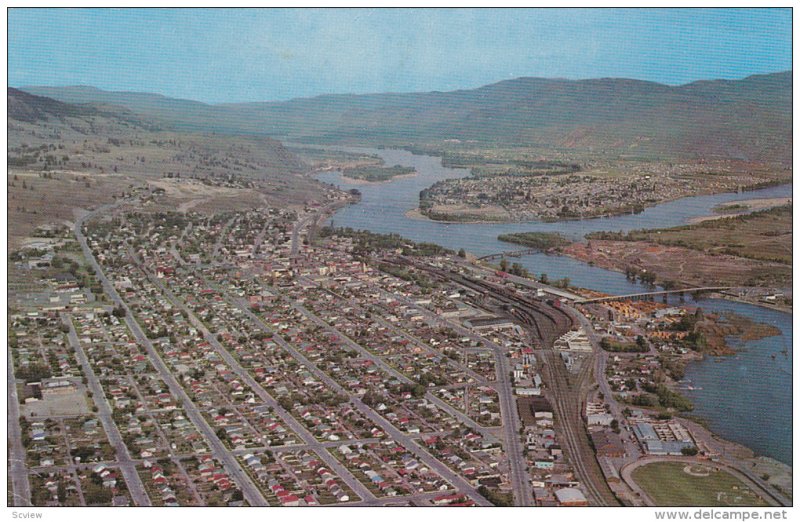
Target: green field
541	240
373	173
764	235
669	485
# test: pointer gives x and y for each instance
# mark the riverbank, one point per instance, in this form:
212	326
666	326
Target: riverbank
385	208
746	206
683	266
779	475
359	181
416	214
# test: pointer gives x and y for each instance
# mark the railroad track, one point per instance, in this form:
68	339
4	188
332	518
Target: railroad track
568	416
546	323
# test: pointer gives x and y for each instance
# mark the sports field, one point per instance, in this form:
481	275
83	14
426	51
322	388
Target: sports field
677	484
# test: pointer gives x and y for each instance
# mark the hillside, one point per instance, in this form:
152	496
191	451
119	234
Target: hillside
63	157
748	119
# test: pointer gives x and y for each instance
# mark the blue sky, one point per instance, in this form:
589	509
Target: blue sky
257	55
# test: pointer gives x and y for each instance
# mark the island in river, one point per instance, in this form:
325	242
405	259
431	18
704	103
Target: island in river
540	240
587	191
374	173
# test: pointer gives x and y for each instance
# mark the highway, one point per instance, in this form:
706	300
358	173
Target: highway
126	464
314	219
251	493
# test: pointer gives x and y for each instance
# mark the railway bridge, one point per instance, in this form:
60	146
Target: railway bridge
510	253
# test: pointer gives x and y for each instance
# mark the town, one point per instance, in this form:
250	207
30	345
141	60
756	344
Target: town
253	357
601	189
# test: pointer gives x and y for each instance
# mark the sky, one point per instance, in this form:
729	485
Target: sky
219	55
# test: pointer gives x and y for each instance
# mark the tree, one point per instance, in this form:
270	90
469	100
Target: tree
698	314
504	264
689	451
543	278
61	492
462	253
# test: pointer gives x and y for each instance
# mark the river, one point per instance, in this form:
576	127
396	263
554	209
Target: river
745	398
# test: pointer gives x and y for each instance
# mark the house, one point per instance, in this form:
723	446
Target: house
571	497
541	408
608	444
599	419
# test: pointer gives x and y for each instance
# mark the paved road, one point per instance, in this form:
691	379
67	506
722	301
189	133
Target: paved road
316	446
392	371
250	491
288	419
221	239
126	464
21	486
520	478
632	450
420	499
314	218
403	438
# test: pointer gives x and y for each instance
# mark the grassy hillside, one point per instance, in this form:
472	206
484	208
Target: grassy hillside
63	157
746	119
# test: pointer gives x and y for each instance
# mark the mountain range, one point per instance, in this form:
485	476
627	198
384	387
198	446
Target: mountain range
748	119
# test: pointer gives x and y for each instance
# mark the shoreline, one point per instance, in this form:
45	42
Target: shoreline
359	181
754	205
721	294
415	213
744	455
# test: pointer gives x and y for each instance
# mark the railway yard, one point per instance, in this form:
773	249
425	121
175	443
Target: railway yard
244	358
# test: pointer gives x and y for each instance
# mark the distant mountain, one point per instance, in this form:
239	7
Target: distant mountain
35	120
33	109
29	108
741	119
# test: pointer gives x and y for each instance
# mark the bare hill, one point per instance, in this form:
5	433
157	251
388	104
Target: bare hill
748	119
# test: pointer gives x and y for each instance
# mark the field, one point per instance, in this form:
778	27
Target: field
669	484
541	240
749	250
681	265
764	235
375	173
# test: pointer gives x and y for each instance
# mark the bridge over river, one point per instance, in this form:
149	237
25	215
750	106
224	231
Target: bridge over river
511	253
645	295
